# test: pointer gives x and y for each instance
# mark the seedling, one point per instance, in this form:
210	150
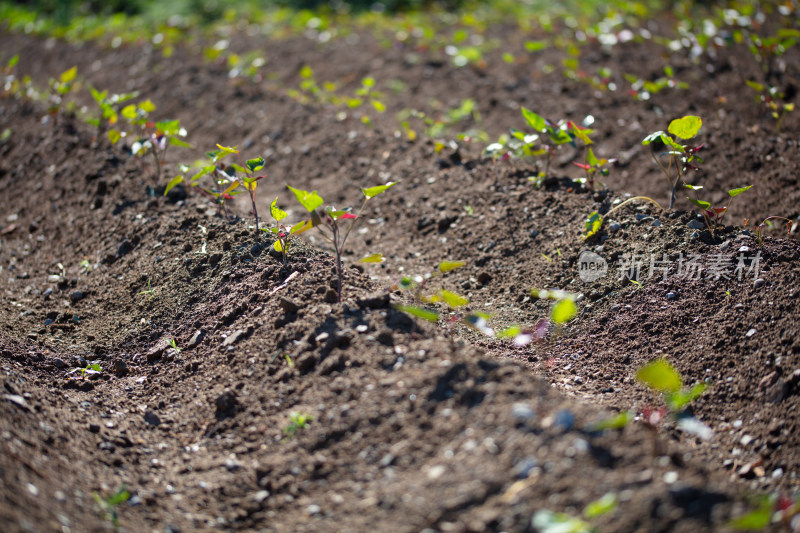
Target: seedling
90	370
174	346
642	89
773	101
681	157
108	506
546	140
59	88
213	168
771	509
546	521
713	215
661	377
109	108
595	220
767	223
593	166
283	234
332	218
297	421
149	291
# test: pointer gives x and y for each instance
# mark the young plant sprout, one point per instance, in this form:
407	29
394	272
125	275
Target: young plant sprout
109	108
595	220
332	219
546	140
773	101
767	223
59	88
713	215
247	179
90	370
660	376
161	136
108	506
593	166
297	421
215	170
282	233
681	157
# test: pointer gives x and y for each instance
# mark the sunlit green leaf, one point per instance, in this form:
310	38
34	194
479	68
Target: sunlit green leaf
535	121
535	46
545	521
447	266
593	224
660	375
177	142
276	212
510	332
372	258
680	399
256	164
172	183
601	506
114	136
309	200
68	75
740	190
615	422
452	299
563	311
147	106
685	127
653	137
371	192
700	203
418	312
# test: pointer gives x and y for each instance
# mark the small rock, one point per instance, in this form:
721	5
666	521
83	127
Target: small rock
656	223
106	446
47	292
331	297
522	412
232	465
76	296
725	245
564	420
750	332
759	283
120	367
614	227
59	363
744	249
94	428
157	350
53	278
534	233
226	404
151	418
196	338
313	509
694	235
260	496
768	380
233	338
695	224
288	305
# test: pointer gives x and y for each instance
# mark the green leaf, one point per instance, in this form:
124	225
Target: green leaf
13	61
418	312
309	200
452	299
172	183
755	85
277	213
615	422
68	75
147	106
509	333
653	137
129	112
591	159
447	266
168	127
602	506
757	519
177	142
256	164
563	311
306	72
545	521
277	246
379	106
371	192
660	375
693	187
700	203
114	136
535	46
372	258
593	224
535	121
678	400
737	192
685	127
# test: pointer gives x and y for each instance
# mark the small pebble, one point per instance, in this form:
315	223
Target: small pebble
656	223
522	412
534	233
670	295
76	296
750	332
614	227
695	224
759	283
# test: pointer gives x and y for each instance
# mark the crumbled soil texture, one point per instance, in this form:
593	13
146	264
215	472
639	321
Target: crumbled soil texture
415	426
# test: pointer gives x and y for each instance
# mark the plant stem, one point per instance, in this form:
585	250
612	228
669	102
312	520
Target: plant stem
629	200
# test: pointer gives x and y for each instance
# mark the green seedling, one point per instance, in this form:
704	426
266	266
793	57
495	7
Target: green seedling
149	291
331	218
767	222
215	169
282	233
594	222
713	215
59	88
108	506
642	89
297	421
547	138
771	510
767	50
661	377
109	106
773	101
592	167
682	158
546	521
162	135
90	370
174	346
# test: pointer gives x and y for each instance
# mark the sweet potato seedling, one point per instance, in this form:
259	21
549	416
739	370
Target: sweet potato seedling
661	377
59	88
592	167
297	421
773	102
682	158
331	218
90	370
713	215
767	222
108	506
282	233
109	106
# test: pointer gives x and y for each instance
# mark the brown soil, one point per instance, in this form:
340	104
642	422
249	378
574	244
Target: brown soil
413	428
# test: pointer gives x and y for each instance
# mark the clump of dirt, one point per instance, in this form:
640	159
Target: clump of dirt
211	346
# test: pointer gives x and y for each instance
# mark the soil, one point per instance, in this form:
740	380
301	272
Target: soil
415	426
